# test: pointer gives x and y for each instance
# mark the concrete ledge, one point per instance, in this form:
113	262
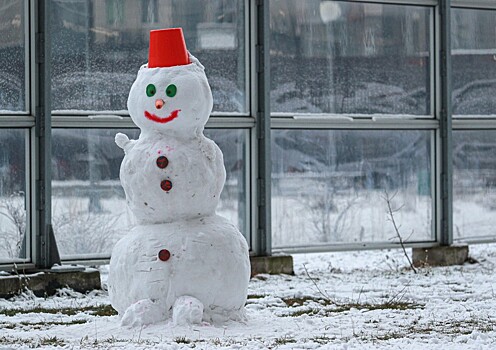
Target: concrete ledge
272	264
46	282
440	256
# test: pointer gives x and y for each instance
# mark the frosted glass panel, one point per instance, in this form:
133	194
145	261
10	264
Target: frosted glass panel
12	57
474	66
99	46
349	57
329	187
474	184
12	195
88	203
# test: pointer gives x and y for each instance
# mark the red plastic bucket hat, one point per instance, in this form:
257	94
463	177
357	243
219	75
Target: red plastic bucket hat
167	48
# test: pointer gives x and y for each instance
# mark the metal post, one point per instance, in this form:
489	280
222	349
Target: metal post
446	183
263	242
46	252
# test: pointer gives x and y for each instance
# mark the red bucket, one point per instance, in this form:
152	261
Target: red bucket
167	48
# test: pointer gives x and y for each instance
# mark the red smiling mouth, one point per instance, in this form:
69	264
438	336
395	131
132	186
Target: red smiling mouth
157	119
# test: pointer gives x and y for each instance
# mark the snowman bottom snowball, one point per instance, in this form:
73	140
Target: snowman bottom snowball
188	271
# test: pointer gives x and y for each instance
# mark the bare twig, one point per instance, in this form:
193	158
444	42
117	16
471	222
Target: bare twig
396	298
325	295
391	212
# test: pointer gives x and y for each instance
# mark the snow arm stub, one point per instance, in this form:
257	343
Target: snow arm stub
123	142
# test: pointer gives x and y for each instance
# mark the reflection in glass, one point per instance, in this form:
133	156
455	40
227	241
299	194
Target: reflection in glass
474	62
12	194
99	46
330	186
474	184
347	57
89	211
12	53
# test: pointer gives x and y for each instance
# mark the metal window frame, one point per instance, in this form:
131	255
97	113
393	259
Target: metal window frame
474	4
45	253
256	121
260	107
444	112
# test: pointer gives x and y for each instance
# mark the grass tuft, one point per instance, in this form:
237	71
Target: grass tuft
100	310
284	340
255	296
322	339
292	302
51	341
41	324
182	340
329	310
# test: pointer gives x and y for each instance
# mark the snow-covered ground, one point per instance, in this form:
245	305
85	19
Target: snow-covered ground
346	300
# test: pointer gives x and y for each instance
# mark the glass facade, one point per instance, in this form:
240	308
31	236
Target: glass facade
356	99
346	57
13	196
98	47
332	186
12	57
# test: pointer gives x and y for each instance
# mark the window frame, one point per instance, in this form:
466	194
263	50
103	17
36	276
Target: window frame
257	121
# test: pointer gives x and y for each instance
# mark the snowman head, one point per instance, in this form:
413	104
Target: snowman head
171	92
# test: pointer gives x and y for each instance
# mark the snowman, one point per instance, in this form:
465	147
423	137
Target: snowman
181	261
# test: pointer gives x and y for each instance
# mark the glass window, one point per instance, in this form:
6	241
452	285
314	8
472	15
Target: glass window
89	211
12	57
330	187
347	57
88	202
474	184
474	62
234	198
12	195
99	46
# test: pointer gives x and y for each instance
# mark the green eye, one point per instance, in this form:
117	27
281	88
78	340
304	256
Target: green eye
171	90
150	90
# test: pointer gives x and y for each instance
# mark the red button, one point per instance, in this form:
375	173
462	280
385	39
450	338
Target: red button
164	255
166	185
162	162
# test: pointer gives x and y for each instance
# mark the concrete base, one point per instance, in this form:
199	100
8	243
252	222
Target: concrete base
440	256
46	282
272	264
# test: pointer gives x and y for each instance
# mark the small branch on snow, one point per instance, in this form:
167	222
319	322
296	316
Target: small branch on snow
325	295
391	212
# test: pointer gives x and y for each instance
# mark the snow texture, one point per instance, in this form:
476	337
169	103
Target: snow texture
181	260
343	300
